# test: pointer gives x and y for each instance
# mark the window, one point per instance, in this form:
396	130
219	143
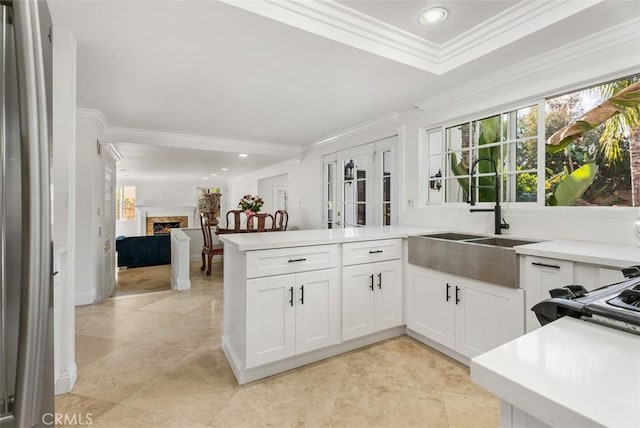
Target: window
596	168
125	203
503	146
592	165
387	165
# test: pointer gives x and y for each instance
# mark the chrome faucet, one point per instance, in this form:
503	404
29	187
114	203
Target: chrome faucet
498	221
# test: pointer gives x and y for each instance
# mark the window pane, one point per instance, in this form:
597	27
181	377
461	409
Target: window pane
362	214
330	172
362	190
598	163
455	191
386	163
527	122
129	202
527	187
386	189
458	163
386	214
458	137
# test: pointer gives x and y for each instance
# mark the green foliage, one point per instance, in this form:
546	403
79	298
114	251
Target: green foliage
572	186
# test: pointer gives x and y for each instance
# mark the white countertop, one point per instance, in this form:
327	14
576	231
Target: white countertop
569	373
299	238
615	255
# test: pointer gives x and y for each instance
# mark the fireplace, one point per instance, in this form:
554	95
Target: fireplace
163	225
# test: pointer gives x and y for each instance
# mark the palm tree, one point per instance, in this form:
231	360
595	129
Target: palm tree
620	126
620	113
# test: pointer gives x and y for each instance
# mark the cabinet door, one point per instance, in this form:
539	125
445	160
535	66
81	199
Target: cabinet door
542	275
430	306
388	292
358	285
316	310
270	319
486	316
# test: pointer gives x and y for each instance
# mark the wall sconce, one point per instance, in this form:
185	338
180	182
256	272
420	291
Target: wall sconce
435	181
348	170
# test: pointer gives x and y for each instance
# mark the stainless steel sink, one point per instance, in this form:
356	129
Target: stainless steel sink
454	236
488	259
500	242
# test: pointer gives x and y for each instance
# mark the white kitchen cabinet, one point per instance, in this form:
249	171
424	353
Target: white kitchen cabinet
291	314
371	298
429	311
542	274
468	316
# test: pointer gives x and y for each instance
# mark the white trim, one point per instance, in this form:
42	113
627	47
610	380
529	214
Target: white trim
600	42
149	137
113	152
66	379
86	298
380	122
334	21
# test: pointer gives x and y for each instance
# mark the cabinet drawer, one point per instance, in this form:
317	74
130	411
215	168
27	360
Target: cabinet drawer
291	260
371	251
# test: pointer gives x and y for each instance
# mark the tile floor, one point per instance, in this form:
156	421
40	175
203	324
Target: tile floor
154	360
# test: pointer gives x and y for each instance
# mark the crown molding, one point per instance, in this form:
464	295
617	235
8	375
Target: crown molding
390	119
118	134
594	44
334	21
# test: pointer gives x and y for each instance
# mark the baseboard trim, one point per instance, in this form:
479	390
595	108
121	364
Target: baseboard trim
438	347
85	298
244	375
66	379
181	284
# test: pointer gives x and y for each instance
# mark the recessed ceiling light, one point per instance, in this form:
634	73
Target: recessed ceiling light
243	155
224	169
433	16
205	178
213	174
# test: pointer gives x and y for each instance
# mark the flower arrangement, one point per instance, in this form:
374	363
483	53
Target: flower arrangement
250	204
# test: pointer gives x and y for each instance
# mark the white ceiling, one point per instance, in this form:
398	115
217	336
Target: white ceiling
228	76
404	14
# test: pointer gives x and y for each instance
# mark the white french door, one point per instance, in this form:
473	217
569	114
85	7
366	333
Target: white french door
355	168
360	185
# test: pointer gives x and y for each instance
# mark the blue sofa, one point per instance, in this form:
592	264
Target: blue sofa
139	251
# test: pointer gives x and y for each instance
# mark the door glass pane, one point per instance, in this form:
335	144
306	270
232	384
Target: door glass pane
355	190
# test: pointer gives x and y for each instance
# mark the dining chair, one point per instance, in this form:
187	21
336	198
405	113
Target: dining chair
208	249
281	218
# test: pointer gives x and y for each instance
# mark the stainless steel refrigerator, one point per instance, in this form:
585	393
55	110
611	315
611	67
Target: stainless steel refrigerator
26	321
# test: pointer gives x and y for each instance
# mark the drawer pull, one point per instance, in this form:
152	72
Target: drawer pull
545	265
291	296
457	297
297	260
376	251
371	286
380	280
302	294
448	288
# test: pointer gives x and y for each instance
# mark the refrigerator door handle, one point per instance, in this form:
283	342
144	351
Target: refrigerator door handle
33	344
4	393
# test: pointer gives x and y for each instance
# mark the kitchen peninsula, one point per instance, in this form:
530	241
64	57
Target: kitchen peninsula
284	305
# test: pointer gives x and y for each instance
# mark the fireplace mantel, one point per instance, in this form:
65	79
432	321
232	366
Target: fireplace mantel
142	212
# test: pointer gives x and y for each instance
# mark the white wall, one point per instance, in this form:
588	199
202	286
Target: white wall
153	193
92	282
304	183
266	190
